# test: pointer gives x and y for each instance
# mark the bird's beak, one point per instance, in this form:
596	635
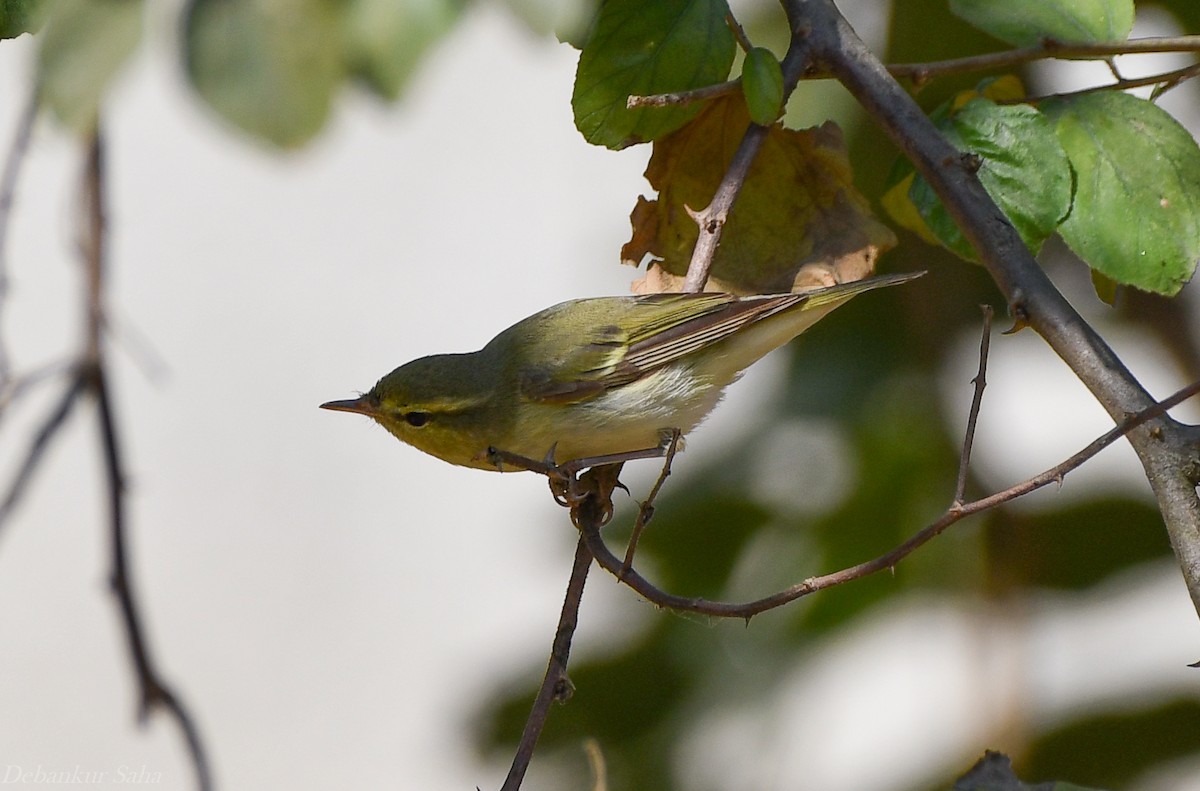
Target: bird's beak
361	405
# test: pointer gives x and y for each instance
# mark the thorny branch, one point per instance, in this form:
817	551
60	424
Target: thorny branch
823	45
711	220
980	382
154	692
920	73
555	684
8	190
1166	448
955	513
1166	81
89	377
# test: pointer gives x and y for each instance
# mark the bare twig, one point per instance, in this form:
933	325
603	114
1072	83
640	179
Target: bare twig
41	440
711	220
1166	449
1167	80
555	684
738	31
685	97
8	190
154	692
921	72
646	510
16	386
980	382
955	513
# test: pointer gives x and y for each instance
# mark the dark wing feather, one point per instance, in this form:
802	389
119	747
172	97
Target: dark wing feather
634	336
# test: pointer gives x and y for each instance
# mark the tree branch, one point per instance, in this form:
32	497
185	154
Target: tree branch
955	513
8	189
919	73
1168	79
154	692
1164	449
980	382
711	220
555	684
37	448
685	97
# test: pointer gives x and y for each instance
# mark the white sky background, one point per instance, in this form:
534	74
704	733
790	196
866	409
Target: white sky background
330	603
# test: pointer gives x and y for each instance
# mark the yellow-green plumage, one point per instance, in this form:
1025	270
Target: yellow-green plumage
592	377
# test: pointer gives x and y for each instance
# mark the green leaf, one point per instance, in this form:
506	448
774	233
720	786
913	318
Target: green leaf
385	39
762	85
648	48
270	67
1028	23
1022	166
21	16
1136	217
1105	288
84	45
567	20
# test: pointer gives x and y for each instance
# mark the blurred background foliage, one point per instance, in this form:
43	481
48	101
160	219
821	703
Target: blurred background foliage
272	69
879	362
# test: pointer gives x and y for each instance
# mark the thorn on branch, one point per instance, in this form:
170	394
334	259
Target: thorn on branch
1018	312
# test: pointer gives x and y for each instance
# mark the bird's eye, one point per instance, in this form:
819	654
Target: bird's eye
416	419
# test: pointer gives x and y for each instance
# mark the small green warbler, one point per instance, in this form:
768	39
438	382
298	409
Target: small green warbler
591	377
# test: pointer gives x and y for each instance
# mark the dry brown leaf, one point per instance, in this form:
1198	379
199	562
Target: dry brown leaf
798	221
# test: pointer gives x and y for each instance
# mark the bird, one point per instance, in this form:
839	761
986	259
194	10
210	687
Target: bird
592	380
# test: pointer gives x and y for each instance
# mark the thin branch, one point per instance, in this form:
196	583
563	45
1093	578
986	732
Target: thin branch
739	32
611	563
1169	79
8	189
685	97
154	692
646	510
37	449
1164	449
555	684
711	220
16	386
919	73
980	382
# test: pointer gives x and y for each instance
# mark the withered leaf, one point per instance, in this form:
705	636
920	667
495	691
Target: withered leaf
798	220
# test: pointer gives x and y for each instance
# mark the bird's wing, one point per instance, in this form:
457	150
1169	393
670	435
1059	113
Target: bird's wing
637	335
